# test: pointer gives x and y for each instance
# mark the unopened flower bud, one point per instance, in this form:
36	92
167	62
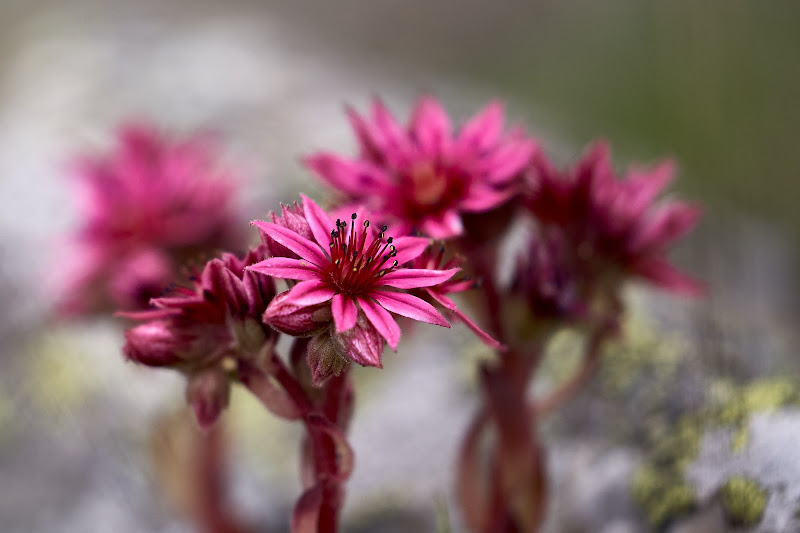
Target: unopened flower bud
296	320
152	344
324	358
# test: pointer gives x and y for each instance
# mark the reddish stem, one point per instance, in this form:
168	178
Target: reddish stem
324	448
213	513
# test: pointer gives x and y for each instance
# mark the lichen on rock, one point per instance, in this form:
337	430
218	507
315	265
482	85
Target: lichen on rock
744	501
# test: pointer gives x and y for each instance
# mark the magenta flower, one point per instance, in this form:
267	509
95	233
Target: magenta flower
612	224
146	207
356	274
545	279
204	330
423	177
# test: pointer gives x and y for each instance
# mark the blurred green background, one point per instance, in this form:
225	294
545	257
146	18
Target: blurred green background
713	83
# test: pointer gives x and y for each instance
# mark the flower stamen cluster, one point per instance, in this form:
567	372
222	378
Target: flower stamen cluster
354	267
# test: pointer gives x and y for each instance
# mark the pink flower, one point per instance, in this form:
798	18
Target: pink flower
612	224
202	331
425	176
544	277
357	274
146	207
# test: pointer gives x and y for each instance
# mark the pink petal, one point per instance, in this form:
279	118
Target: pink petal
443	226
344	311
358	178
647	184
382	321
362	343
286	268
442	299
371	147
310	293
409	248
484	337
393	136
430	125
665	225
668	277
409	306
318	220
413	278
508	160
482	198
482	131
298	244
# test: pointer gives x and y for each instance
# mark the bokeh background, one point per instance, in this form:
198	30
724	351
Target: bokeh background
713	84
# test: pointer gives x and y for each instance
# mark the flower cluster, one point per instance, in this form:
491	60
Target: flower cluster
611	225
203	331
350	277
342	282
147	207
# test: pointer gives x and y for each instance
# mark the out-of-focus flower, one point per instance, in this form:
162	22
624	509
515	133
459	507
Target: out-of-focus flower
423	177
613	225
354	272
202	331
145	208
545	279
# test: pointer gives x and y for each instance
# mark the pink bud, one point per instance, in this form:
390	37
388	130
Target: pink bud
324	359
152	344
295	320
138	278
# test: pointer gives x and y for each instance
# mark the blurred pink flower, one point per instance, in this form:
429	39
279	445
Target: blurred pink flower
195	330
613	224
145	208
356	274
545	279
423	177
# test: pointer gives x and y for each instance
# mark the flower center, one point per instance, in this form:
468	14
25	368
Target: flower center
427	185
355	264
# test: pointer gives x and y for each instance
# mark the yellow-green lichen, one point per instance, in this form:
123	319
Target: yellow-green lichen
660	487
663	496
734	405
744	501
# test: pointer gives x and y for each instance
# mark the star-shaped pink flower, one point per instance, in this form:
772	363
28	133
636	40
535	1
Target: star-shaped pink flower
614	225
355	270
425	176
